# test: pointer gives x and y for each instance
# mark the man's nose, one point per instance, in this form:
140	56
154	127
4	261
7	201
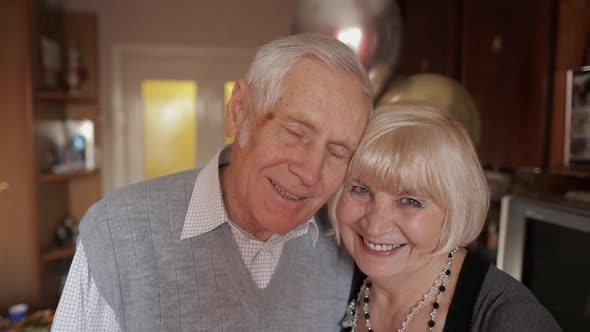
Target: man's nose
308	165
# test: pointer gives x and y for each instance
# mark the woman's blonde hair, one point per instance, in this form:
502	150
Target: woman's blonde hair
413	146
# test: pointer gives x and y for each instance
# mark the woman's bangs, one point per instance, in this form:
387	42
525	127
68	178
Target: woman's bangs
393	163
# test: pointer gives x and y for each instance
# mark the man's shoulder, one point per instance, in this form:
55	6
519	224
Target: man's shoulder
167	184
161	183
138	196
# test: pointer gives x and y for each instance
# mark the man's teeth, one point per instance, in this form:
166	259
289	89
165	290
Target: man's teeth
382	247
286	194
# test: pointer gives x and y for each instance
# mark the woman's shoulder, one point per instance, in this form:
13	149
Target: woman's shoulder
499	288
504	303
498	283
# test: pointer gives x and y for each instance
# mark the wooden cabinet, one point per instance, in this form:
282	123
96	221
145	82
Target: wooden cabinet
431	37
512	58
19	280
572	43
33	201
506	65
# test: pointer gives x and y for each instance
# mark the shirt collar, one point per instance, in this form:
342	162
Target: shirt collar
275	239
206	209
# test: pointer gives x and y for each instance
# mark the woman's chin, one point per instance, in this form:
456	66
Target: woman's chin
379	271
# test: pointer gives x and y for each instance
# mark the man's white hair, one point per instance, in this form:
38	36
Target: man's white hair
275	59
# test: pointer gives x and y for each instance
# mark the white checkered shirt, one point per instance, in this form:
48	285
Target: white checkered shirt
82	308
206	211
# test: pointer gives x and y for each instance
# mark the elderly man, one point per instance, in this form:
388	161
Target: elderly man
235	245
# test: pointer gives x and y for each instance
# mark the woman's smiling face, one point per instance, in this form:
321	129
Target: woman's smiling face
388	234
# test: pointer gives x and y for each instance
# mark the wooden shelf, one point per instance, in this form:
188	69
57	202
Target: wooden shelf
575	172
58	254
59	96
41	200
44	178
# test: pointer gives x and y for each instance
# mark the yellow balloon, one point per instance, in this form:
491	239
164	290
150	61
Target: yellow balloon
439	90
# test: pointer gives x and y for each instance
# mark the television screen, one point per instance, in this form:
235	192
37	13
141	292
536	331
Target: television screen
556	268
544	241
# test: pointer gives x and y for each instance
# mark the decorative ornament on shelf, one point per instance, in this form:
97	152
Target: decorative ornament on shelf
441	91
51	69
73	65
18	312
66	231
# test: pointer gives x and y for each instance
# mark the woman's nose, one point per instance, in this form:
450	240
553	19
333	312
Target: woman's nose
379	218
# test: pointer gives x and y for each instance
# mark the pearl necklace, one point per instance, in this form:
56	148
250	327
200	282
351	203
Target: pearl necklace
440	284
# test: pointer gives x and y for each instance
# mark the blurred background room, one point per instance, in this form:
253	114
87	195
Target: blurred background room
98	94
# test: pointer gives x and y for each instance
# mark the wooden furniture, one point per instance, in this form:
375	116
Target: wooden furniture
33	201
431	37
512	57
572	41
506	60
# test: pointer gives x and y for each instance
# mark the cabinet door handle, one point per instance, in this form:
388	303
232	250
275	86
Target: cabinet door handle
4	186
497	44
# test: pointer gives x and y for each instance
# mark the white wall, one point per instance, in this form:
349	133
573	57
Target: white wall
196	23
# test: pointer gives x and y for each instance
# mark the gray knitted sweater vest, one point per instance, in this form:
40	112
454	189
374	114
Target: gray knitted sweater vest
156	282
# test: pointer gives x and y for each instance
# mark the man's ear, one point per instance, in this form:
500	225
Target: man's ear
237	109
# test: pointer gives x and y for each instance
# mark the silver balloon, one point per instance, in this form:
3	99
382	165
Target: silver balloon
439	90
372	27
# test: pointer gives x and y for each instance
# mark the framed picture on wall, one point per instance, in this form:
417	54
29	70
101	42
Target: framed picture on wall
577	115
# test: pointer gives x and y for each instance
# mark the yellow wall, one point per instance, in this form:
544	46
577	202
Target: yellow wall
227	90
169	126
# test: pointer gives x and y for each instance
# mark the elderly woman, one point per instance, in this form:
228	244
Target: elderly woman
414	197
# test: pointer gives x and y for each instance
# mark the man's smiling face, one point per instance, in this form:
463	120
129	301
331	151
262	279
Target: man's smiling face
297	151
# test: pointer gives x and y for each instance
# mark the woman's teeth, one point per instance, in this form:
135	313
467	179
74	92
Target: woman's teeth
382	247
286	194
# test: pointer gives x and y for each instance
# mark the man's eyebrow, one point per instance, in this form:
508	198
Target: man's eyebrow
303	121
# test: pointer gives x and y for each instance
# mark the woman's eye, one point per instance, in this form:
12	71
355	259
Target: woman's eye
410	202
358	190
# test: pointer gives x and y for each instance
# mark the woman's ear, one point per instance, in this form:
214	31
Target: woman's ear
237	109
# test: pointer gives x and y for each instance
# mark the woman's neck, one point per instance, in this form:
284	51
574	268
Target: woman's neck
392	298
408	287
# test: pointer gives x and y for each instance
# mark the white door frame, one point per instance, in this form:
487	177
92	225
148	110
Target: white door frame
126	112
